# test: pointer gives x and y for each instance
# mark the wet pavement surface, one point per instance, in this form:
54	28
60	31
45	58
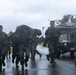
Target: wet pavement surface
64	66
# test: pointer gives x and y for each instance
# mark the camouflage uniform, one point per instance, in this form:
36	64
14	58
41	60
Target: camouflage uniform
15	39
34	42
23	48
52	35
9	44
26	51
3	48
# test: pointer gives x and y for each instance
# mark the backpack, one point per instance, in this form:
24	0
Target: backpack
24	32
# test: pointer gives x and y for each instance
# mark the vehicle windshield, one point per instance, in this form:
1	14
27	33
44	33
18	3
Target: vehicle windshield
64	38
65	33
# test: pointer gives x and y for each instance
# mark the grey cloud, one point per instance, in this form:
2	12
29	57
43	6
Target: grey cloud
34	13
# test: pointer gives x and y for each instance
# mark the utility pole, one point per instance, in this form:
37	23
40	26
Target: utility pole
43	31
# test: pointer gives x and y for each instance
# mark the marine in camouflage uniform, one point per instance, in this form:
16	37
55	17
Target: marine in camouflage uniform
3	48
33	44
9	44
52	34
25	43
23	31
15	39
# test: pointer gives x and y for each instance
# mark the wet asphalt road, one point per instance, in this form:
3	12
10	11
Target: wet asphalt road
64	66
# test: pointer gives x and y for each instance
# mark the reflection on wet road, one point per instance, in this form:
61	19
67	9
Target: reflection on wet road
64	66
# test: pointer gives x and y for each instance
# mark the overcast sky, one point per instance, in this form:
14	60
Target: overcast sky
34	13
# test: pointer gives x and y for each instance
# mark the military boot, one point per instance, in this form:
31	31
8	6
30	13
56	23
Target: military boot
26	60
26	64
3	63
52	61
12	60
17	66
22	66
47	56
40	55
75	63
0	66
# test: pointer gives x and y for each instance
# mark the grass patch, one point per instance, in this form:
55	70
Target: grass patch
41	44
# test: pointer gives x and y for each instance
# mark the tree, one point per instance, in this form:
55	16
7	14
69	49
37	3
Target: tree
68	19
